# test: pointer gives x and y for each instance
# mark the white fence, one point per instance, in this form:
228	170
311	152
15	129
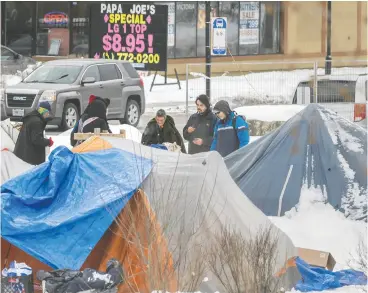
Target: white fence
254	83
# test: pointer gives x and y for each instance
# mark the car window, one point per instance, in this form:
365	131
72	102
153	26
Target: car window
92	72
131	70
61	74
6	54
336	91
109	72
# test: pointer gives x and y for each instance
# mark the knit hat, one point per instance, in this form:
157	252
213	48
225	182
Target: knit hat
97	109
222	106
45	105
91	99
204	100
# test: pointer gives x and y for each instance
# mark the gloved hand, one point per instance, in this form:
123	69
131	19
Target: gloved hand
51	142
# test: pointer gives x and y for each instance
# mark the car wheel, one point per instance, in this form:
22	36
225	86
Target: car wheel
132	114
70	116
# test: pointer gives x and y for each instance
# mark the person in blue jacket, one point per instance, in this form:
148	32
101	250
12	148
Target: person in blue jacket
231	131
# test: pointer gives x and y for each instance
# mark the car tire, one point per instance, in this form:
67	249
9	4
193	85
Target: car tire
132	114
70	116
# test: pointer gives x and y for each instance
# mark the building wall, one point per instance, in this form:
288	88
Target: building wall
303	39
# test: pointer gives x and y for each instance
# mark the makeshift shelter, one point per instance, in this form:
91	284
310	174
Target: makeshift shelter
315	148
89	214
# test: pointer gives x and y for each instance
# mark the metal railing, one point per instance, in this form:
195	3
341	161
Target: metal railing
255	83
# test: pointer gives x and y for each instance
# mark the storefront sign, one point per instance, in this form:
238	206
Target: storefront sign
133	32
55	17
249	23
219	25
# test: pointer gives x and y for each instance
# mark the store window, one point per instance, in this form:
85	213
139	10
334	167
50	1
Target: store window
230	10
186	23
270	27
249	28
259	28
80	28
201	26
53	28
18	26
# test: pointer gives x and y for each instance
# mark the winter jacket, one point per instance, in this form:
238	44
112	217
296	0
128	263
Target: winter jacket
97	112
31	143
204	125
228	138
85	116
153	134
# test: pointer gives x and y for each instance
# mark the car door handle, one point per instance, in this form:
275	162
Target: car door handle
100	86
122	83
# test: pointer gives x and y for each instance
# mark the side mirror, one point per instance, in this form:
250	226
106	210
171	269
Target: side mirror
88	80
17	56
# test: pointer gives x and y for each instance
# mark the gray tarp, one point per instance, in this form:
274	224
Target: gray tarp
315	148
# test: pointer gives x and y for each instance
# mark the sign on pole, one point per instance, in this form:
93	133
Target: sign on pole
132	32
218	44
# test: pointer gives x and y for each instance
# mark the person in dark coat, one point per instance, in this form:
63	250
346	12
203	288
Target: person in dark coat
231	131
96	117
84	117
200	126
162	129
31	143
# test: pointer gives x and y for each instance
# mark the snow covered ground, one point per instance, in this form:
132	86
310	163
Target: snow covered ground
316	225
263	87
269	112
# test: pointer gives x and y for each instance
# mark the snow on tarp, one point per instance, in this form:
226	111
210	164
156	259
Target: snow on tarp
314	224
316	148
58	211
320	279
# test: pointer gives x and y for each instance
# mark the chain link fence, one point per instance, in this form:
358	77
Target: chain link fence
257	83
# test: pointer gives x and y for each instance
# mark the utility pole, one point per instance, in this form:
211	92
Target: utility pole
328	64
208	49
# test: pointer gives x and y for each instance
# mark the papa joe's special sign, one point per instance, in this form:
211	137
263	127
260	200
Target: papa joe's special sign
132	32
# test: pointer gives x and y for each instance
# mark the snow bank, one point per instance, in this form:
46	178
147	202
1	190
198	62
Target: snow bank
269	112
8	80
316	225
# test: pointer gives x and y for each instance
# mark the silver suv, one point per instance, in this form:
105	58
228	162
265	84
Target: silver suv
67	84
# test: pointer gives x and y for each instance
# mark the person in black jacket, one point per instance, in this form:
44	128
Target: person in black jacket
96	114
85	116
31	143
162	129
199	128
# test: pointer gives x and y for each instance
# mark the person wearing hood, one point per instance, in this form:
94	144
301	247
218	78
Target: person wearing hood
84	117
200	126
31	143
162	129
231	131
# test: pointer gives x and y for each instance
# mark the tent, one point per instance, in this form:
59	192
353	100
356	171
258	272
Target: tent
315	148
155	211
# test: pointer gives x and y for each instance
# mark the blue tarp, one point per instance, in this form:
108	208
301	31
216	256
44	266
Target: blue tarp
315	148
159	146
319	279
58	211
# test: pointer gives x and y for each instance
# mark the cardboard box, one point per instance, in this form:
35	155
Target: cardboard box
317	258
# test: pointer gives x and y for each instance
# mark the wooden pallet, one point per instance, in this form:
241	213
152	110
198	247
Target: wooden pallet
85	136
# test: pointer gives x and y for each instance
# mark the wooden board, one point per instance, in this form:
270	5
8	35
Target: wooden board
85	136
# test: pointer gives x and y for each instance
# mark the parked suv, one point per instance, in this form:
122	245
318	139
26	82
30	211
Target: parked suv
67	85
